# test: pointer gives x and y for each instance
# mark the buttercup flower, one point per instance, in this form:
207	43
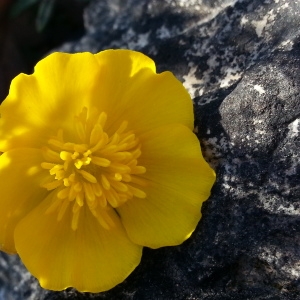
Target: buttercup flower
99	159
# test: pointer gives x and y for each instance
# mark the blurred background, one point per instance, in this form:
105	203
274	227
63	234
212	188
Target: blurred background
29	29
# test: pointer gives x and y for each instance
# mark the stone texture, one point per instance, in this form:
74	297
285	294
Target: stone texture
240	61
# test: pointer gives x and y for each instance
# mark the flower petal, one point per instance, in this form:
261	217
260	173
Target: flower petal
130	88
20	176
46	100
122	83
91	258
178	182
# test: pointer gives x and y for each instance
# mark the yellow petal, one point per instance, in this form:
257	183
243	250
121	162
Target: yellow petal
39	104
90	259
122	83
130	88
172	156
178	182
20	176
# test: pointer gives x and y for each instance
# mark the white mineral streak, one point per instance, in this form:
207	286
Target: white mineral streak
287	45
190	80
259	88
244	20
209	13
290	267
260	25
232	74
294	128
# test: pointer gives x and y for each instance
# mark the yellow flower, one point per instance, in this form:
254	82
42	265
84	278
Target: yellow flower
99	160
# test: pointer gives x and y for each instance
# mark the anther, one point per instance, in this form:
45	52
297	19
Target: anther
86	175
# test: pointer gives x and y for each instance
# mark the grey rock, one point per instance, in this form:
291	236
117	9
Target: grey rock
240	60
16	282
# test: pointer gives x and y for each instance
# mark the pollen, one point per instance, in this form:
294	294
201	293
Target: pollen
97	170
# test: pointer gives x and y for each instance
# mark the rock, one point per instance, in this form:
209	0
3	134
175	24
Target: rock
240	61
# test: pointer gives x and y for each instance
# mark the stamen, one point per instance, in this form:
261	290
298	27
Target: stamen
80	199
121	147
59	175
122	199
54	205
115	139
125	177
97	189
98	170
88	190
101	221
100	161
103	141
137	192
112	198
132	144
52	185
102	119
80	129
138	170
51	155
72	178
138	180
83	114
47	166
129	138
72	193
120	156
119	168
96	134
66	182
92	205
68	147
119	186
136	153
62	210
107	150
105	182
86	175
78	187
78	163
87	153
62	194
54	142
66	164
90	122
76	212
122	127
80	148
102	200
64	155
132	163
86	160
55	169
107	218
118	176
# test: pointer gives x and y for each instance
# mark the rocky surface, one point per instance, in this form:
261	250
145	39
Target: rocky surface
240	61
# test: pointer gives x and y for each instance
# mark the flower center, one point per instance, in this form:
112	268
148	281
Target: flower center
99	171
